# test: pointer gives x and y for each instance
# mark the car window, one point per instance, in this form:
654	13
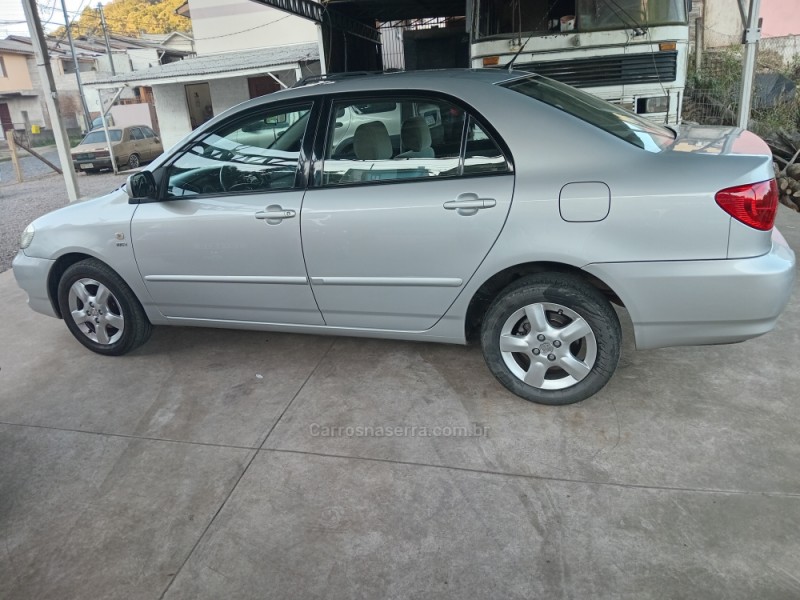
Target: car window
136	133
99	137
375	140
604	115
148	133
247	156
481	153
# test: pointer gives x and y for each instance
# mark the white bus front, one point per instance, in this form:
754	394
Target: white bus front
630	52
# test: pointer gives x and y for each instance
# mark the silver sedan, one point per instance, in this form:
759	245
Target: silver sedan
446	206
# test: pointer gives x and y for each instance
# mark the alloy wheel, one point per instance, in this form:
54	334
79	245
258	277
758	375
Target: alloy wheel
548	346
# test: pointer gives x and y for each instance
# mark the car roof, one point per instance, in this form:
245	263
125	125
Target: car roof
442	80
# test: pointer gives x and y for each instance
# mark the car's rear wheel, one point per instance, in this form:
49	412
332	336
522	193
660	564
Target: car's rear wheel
133	161
100	310
551	338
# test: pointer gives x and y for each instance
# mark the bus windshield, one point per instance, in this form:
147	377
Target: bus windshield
500	18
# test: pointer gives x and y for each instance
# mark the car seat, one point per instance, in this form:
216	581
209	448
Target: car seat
416	137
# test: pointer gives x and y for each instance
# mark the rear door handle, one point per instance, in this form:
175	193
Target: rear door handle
469	204
274	214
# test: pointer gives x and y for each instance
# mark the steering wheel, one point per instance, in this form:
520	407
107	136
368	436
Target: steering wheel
227	177
245	186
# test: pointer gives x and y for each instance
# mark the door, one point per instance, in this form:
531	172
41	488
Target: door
5	118
152	142
261	86
137	145
395	228
224	243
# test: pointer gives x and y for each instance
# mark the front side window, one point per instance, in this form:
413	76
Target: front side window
409	139
258	154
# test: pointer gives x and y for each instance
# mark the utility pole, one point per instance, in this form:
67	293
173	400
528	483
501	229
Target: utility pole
752	33
51	97
105	35
86	114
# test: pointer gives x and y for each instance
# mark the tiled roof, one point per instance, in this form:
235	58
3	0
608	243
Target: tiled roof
221	63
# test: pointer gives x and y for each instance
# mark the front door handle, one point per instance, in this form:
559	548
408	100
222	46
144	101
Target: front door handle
469	204
274	214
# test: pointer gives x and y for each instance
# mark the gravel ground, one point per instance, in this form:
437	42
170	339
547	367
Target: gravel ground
32	168
21	203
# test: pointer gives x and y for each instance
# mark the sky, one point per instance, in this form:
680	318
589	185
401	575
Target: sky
50	10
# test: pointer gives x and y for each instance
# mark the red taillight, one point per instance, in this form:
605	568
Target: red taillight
754	204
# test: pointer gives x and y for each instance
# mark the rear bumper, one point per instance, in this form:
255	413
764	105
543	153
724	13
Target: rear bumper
687	303
31	275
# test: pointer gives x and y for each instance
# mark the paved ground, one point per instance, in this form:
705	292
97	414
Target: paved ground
196	468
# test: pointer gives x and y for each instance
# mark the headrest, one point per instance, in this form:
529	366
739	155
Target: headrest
371	142
415	134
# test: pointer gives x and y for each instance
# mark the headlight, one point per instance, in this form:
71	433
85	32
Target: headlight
655	104
27	237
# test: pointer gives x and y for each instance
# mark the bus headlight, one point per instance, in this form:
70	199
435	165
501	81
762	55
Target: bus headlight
27	237
656	104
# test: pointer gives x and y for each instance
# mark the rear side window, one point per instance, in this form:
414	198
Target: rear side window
373	140
481	153
604	115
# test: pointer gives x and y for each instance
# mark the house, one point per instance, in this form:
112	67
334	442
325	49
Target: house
244	50
22	105
722	22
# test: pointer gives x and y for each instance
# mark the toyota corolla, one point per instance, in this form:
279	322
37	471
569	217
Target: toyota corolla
447	206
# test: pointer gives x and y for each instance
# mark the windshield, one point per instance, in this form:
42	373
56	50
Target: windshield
596	15
604	115
99	137
501	18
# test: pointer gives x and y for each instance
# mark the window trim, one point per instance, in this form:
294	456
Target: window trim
302	172
324	131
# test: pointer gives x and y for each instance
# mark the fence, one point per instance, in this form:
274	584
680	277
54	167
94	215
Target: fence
713	86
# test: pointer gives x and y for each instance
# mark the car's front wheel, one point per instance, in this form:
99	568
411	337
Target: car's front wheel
551	338
100	310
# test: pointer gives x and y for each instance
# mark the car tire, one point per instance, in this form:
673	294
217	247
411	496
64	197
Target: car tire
100	310
551	338
133	161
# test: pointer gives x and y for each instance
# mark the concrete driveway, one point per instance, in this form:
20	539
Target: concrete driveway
222	464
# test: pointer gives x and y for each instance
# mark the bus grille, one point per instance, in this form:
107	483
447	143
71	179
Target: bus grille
609	70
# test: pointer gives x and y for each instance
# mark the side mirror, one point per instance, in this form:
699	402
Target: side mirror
141	186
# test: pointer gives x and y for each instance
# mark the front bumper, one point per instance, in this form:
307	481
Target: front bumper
688	303
85	164
31	275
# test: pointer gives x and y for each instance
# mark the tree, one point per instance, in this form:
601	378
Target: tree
131	18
